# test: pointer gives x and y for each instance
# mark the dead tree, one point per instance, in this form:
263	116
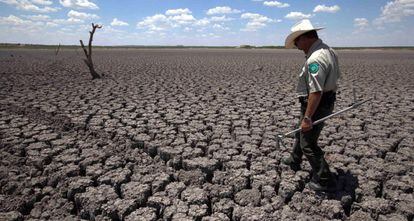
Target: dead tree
88	60
57	50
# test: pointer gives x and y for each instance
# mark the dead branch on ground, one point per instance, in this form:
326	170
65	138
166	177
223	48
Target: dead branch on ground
88	53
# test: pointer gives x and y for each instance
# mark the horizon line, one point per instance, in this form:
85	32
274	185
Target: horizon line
190	46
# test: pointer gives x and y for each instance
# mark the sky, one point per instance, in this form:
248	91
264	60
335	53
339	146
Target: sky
347	23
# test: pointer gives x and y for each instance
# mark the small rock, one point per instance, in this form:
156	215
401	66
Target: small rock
193	177
360	215
224	206
175	189
249	214
194	195
90	202
136	191
248	197
206	165
78	186
11	216
392	217
115	177
117	209
177	206
145	213
216	217
198	211
159	202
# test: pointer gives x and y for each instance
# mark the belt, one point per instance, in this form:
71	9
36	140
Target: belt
328	97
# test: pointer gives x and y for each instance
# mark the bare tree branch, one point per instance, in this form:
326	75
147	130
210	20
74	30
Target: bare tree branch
83	47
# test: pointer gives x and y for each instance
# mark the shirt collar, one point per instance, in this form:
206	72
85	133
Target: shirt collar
313	48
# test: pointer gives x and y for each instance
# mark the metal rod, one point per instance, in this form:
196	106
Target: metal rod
329	116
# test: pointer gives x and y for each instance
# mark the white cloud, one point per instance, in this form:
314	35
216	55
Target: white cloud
256	21
158	22
78	4
42	2
180	16
256	17
69	21
176	18
178	11
202	22
22	28
171	19
75	15
220	27
220	18
42	20
276	4
361	23
26	5
213	35
182	19
253	26
222	10
116	22
51	24
298	15
324	8
111	30
395	11
38	17
14	20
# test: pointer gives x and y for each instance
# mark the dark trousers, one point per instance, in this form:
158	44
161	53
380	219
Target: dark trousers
307	143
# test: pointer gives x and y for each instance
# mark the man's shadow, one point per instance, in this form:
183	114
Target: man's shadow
344	192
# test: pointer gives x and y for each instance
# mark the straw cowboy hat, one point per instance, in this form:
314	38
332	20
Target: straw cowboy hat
297	30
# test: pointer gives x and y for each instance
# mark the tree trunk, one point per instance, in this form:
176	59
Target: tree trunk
94	74
88	53
57	50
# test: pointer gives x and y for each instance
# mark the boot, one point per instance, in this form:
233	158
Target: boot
330	186
292	163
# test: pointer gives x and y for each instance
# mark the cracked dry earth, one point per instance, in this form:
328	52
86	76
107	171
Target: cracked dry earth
189	134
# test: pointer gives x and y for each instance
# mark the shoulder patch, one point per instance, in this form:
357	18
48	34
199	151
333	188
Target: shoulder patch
313	67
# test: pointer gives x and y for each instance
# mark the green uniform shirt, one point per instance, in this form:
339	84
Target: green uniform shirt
320	71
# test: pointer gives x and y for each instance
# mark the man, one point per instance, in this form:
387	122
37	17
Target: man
317	93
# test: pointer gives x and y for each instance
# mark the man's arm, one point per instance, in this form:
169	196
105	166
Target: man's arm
313	103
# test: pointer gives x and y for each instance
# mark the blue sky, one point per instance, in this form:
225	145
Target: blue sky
202	22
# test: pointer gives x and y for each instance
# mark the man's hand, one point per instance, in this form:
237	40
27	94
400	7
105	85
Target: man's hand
313	102
306	125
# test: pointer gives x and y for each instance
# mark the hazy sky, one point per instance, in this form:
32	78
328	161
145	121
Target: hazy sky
205	22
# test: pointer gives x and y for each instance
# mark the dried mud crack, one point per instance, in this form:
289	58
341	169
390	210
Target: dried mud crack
190	135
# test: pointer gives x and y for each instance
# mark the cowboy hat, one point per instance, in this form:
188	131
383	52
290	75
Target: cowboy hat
297	30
